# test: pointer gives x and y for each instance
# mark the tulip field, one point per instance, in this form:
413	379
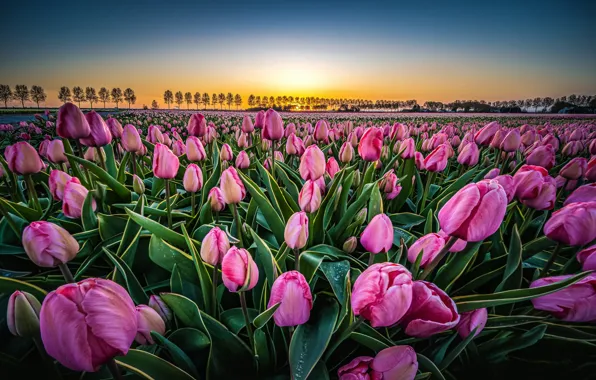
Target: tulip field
352	246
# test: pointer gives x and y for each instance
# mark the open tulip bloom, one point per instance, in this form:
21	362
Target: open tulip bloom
261	245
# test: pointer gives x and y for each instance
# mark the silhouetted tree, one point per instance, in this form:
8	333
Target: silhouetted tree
168	97
178	98
21	92
154	105
251	100
38	94
197	99
214	100
5	94
221	98
129	95
229	99
64	94
104	95
116	96
237	101
188	99
91	96
206	100
78	95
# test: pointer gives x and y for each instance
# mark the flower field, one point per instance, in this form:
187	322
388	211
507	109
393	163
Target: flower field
353	246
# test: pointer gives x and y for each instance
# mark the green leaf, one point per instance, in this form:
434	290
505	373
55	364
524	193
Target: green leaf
23	211
167	256
427	364
275	194
103	176
407	219
457	350
130	280
512	277
88	217
311	339
206	283
351	211
478	301
318	228
178	356
215	174
9	285
368	341
338	275
273	219
76	170
121	176
409	172
497	348
158	229
265	258
262	319
150	366
110	160
456	266
375	203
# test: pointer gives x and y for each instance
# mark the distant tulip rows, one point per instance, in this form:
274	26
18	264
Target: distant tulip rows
241	246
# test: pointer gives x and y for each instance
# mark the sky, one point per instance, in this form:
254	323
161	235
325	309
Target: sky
431	50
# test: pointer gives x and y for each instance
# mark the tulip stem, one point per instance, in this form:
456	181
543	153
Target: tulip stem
10	221
297	259
237	221
133	160
561	191
527	221
168	206
32	194
346	334
551	260
247	321
66	273
429	268
273	159
371	259
114	370
82	155
498	157
214	300
192	203
429	180
102	160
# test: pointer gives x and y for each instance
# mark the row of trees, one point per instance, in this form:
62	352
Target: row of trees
22	93
536	104
197	98
116	95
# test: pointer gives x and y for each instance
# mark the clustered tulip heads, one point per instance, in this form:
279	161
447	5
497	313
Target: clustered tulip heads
306	228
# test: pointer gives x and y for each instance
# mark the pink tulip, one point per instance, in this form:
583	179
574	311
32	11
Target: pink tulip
22	158
459	245
242	160
194	149
407	148
551	140
131	141
471	320
389	185
432	311
574	169
216	199
239	271
469	156
243	141
535	188
247	126
587	257
322	131
332	167
22	315
231	185
436	161
100	133
214	246
292	292
312	163
419	160
475	212
382	294
492	173
71	123
115	127
429	246
358	369
157	304
585	193
165	163
273	127
310	197
296	232
148	320
42	149
55	151
591	169
193	179
574	224
542	156
58	180
260	119
85	324
226	153
197	125
511	142
399	131
371	144
48	245
575	303
378	235
346	152
397	362
508	184
73	199
155	136
178	148
497	139
294	145
485	135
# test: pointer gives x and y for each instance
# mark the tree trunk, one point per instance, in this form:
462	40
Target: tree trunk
37	103
23	103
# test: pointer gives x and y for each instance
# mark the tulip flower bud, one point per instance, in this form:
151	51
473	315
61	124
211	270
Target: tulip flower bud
350	244
100	134
361	216
55	152
312	163
574	169
58	180
148	320
22	158
165	163
378	235
197	125
71	123
436	161
23	314
358	369
369	147
232	187
572	303
214	246
242	160
382	294
73	199
273	128
137	184
310	197
296	232
332	167
48	245
226	153
471	320
428	246
293	294
357	177
193	178
585	193
346	152
239	271
194	149
397	362
247	126
131	141
157	304
216	199
542	156
574	224
115	127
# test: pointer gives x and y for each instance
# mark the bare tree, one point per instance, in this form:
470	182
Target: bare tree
64	94
116	96
229	99
206	100
91	96
129	95
237	101
21	92
5	94
188	99
104	95
168	97
38	94
197	99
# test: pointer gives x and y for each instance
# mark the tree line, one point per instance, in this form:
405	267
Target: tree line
37	94
197	98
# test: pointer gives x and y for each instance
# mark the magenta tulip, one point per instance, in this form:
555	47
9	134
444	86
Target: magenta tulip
542	156
358	369
58	180
273	128
100	133
55	151
292	292
49	245
312	163
378	235
471	320
469	156
436	161
165	162
148	320
309	198
332	167
197	125
22	158
73	199
239	271
585	193
574	224
397	362
115	127
511	142
371	144
71	123
575	303
428	246
574	169
247	126
587	257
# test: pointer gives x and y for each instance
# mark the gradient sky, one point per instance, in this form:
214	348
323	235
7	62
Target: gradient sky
431	50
